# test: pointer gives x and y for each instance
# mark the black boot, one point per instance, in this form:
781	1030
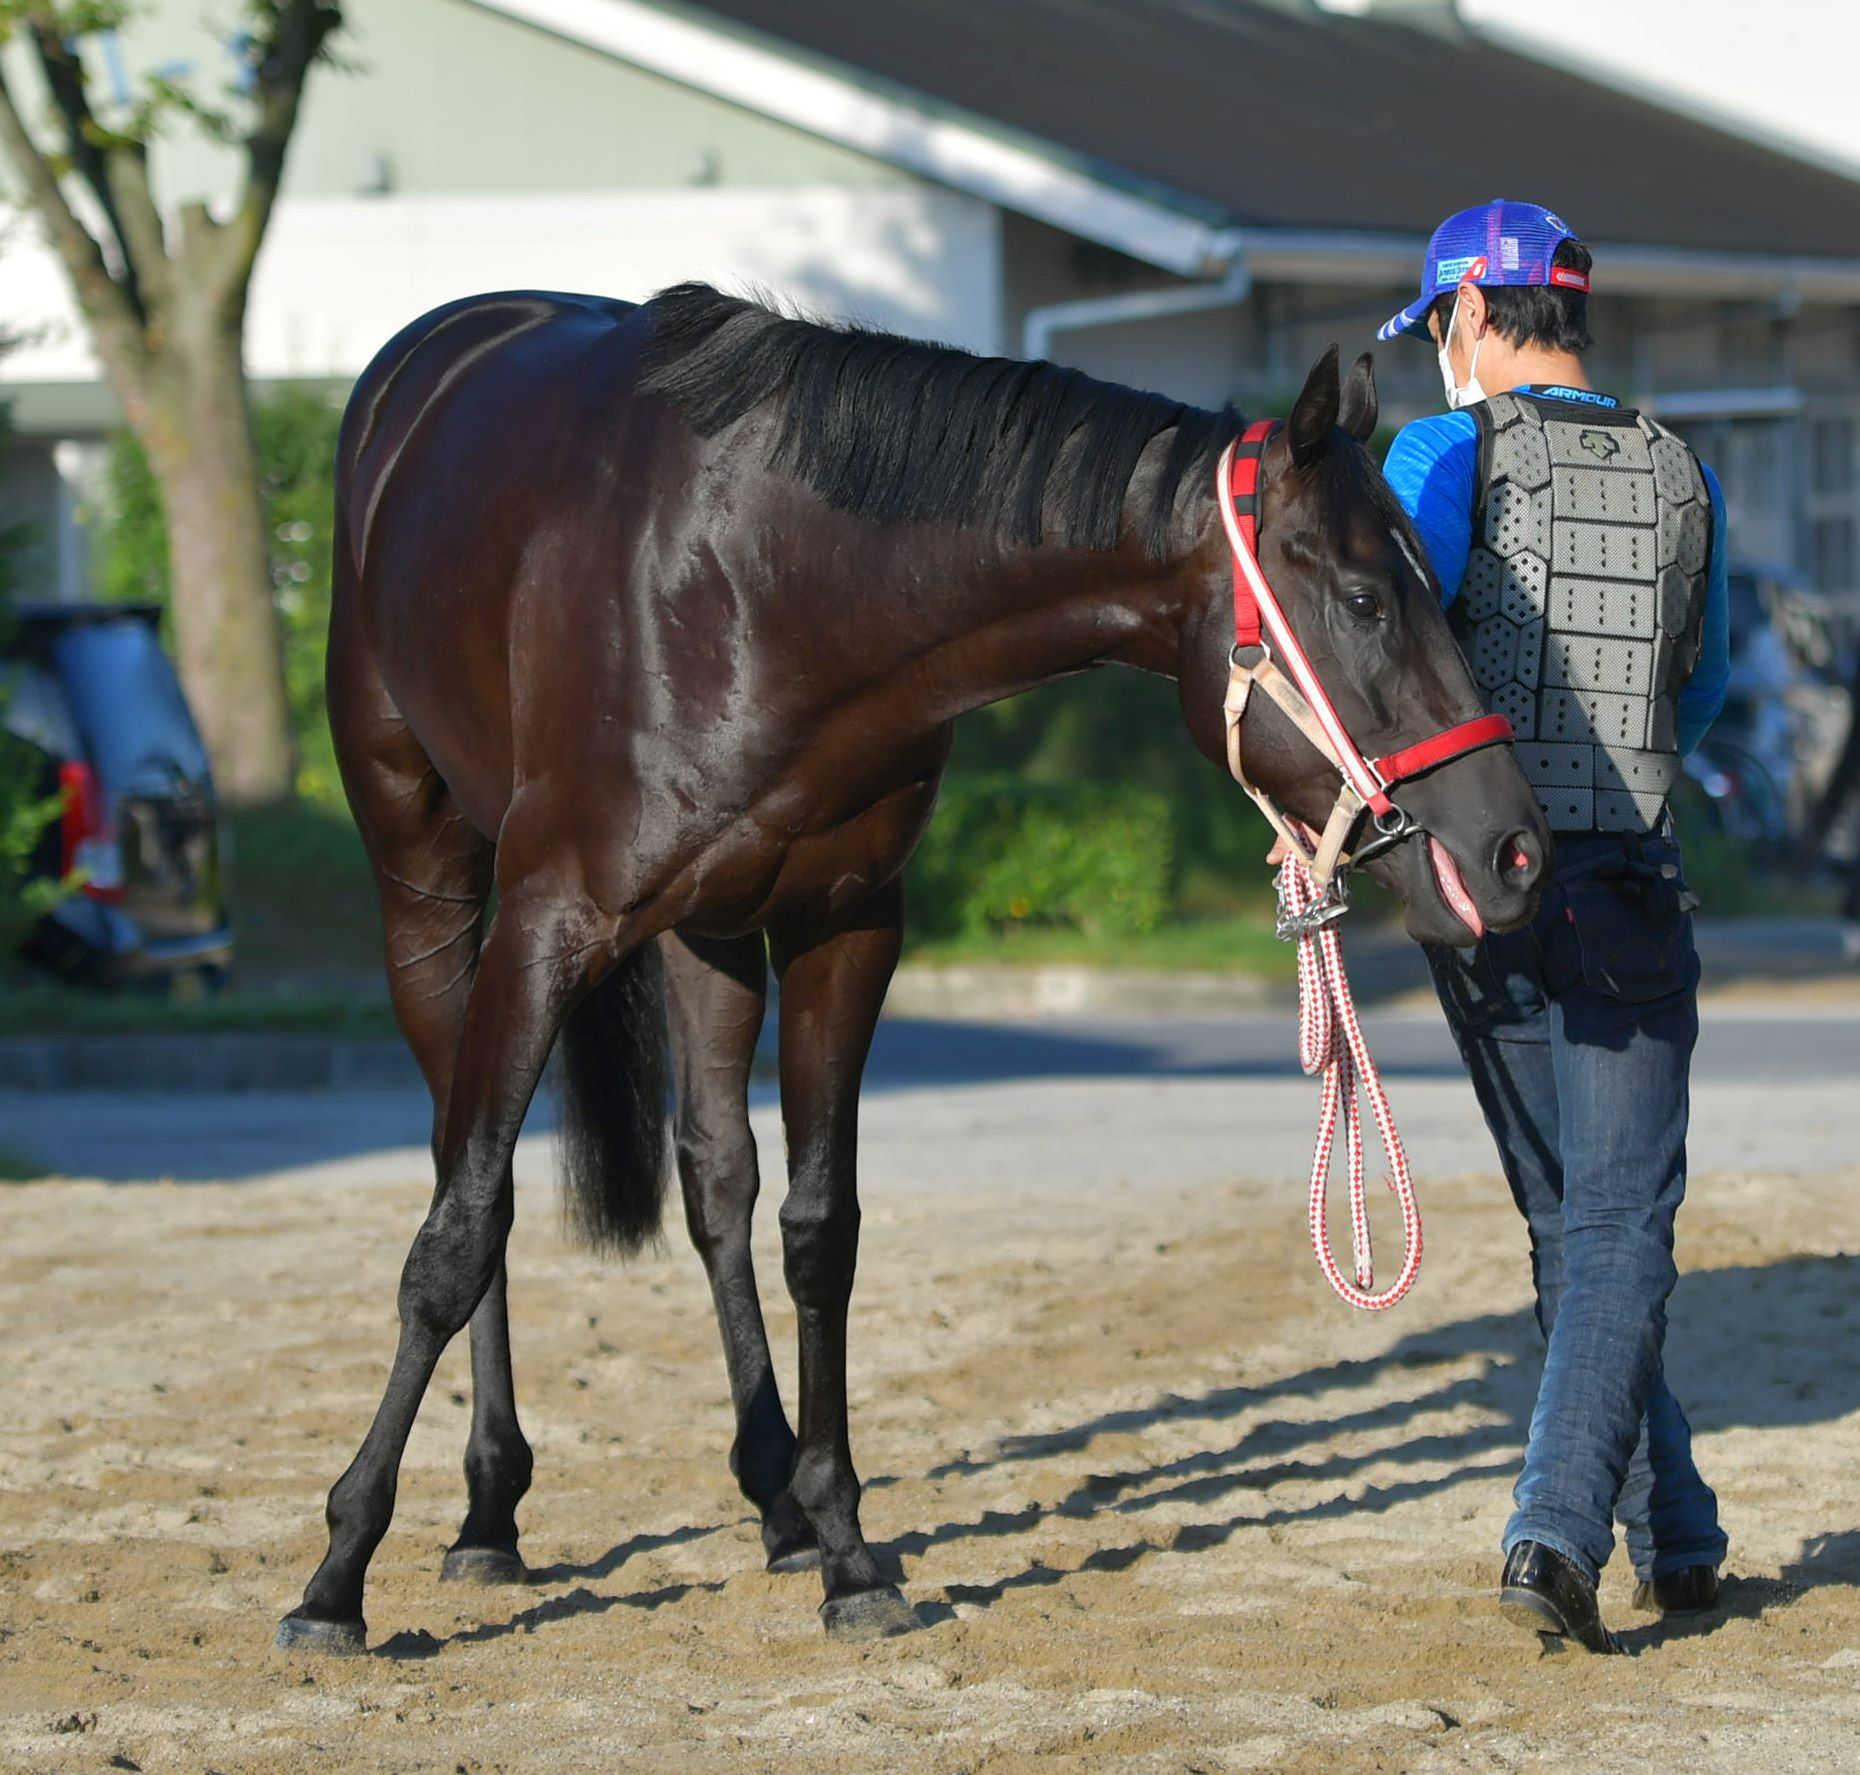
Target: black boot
1550	1595
1689	1591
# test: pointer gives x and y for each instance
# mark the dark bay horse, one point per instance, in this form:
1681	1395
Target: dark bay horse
653	621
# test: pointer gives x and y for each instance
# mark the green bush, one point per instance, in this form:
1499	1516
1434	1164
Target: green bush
24	815
296	432
1126	729
1003	853
25	810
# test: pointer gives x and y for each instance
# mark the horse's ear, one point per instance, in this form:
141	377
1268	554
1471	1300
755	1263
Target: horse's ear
1360	408
1314	413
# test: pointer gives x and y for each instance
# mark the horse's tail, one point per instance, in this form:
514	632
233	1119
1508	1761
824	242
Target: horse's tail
613	1075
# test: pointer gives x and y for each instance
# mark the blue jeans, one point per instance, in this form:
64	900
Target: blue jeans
1578	1033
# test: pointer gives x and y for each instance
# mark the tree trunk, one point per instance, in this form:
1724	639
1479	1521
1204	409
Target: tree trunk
197	431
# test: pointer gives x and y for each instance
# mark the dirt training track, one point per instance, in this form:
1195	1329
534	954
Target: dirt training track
1162	1503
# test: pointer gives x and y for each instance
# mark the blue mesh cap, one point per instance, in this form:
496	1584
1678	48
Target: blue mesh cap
1496	243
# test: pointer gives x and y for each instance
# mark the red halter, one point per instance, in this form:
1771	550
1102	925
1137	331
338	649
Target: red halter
1259	622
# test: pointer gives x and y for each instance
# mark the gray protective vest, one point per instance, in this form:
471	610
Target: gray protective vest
1583	600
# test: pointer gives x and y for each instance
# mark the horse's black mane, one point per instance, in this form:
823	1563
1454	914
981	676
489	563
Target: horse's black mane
891	428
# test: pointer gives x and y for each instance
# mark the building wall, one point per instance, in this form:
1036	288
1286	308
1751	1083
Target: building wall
339	276
46	487
461	151
448	96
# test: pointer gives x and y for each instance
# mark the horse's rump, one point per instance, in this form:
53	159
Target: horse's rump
408	379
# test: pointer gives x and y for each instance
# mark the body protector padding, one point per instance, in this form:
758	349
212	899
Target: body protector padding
1584	600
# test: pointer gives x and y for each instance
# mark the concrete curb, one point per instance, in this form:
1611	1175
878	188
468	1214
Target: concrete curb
984	992
230	1062
1778	948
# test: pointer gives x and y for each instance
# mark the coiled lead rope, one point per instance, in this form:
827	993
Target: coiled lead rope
1330	1043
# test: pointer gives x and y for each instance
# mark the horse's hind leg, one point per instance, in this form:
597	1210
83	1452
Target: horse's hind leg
833	983
497	1456
483	1033
433	876
715	996
434	886
537	959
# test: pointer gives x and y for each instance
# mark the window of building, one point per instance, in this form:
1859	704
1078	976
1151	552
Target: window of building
1831	454
1832	505
1754	459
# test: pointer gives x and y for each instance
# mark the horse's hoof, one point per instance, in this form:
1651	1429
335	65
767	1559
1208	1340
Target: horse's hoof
484	1565
788	1538
329	1639
868	1614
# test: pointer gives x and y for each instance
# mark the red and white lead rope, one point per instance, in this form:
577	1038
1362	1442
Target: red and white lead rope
1330	1041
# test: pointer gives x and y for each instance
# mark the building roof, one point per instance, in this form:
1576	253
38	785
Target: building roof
1184	131
1284	117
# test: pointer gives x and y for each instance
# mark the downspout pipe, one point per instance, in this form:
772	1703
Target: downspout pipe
1042	325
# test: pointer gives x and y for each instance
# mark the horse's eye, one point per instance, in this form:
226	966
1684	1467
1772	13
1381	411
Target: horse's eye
1365	605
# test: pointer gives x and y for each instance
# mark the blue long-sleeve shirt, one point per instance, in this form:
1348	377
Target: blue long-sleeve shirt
1433	465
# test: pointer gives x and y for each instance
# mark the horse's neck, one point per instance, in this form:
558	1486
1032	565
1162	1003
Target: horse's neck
1041	614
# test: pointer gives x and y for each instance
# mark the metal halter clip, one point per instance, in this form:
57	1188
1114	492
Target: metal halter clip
1330	906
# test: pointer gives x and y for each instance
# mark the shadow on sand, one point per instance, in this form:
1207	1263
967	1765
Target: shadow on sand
1739	1331
1728	1326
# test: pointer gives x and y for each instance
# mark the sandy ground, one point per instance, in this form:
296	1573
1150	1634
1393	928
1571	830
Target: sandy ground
1162	1503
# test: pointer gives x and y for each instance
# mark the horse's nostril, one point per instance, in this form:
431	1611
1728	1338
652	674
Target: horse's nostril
1519	860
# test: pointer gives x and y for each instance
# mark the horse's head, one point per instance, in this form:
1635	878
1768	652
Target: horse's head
1350	578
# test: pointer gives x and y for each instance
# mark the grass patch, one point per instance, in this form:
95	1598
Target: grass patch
301	891
17	1167
1242	944
1734	878
303	902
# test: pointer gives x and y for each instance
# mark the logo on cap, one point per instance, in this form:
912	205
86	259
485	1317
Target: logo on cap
1451	271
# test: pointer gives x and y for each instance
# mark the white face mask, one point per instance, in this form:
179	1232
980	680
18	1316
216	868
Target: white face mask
1460	394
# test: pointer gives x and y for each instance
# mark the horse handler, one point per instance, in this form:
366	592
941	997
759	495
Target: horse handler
1580	549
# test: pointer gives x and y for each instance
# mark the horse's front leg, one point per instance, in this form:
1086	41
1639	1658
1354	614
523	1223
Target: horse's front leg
716	993
531	967
833	981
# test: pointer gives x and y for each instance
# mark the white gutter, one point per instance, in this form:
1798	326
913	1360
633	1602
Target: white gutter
888	127
1675	271
1724	403
1041	324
